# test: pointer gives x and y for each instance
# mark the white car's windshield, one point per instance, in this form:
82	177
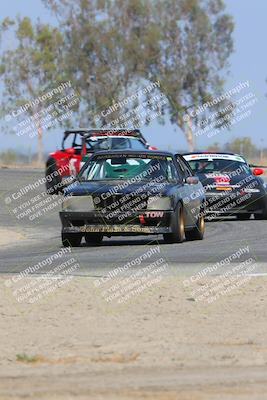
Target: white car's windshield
207	165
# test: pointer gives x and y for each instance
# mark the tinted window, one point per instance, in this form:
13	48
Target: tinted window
119	167
187	169
114	143
137	144
183	170
204	166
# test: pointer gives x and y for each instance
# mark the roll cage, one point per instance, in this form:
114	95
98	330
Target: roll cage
86	134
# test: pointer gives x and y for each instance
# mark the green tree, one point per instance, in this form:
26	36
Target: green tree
243	146
110	48
125	43
215	147
8	157
32	68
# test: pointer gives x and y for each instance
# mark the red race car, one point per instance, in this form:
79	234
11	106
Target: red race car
77	144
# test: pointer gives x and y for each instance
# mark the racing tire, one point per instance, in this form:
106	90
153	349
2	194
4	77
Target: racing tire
198	232
243	217
261	216
93	238
52	187
71	239
177	227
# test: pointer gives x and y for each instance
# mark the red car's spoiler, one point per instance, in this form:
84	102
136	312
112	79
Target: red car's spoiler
86	133
104	132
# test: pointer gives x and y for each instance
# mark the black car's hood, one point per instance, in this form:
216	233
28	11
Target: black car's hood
119	187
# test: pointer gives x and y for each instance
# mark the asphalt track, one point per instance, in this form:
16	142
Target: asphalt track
42	237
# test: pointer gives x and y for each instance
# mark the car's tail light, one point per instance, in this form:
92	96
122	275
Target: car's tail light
258	171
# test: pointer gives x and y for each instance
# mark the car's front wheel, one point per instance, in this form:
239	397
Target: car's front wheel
71	239
261	216
243	217
198	232
93	238
177	234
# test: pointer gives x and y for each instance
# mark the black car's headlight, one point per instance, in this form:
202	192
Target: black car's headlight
159	203
78	203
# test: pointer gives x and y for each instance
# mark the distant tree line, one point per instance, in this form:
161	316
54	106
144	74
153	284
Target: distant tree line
108	48
243	146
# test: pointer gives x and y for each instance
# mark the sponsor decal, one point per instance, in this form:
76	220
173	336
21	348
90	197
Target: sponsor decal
116	228
223	188
154	214
223	180
131	155
211	157
217	175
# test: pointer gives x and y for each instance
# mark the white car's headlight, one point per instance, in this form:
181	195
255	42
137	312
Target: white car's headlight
78	203
159	203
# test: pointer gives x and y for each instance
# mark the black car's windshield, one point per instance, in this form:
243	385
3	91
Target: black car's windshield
117	167
205	166
115	143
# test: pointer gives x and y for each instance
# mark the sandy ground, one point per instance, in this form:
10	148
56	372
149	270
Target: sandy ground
162	344
9	236
33	165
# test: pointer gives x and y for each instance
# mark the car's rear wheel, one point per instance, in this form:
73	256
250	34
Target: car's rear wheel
243	217
71	239
93	238
198	232
177	227
53	179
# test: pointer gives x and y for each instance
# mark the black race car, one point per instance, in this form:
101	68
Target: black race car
133	192
232	187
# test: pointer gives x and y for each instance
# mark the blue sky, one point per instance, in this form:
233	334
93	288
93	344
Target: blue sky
248	63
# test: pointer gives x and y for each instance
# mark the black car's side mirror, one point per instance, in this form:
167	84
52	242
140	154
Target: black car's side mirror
192	180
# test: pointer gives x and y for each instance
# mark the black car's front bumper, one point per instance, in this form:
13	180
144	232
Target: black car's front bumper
235	202
152	222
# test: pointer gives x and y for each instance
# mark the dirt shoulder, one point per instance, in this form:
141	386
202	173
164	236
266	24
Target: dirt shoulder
10	236
159	345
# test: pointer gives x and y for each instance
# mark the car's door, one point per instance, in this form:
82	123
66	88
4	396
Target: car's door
184	193
194	192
